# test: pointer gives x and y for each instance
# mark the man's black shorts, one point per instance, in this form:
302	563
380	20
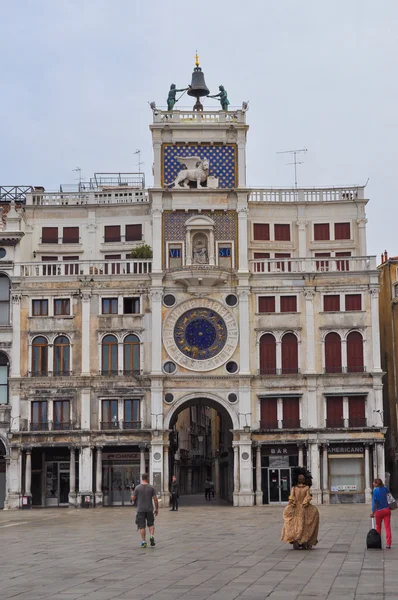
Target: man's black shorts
143	518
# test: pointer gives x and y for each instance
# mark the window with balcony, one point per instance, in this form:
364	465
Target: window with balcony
132	417
109	355
284	265
40	308
342	231
322	264
131	351
49	235
267	354
39	356
109	306
261	267
131	306
355	362
61	356
61	307
266	304
291	413
261	231
288	303
72	268
353	302
342	265
331	303
321	231
356	411
334	412
133	233
110	419
289	354
282	233
112	233
112	267
70	235
269	413
3	378
333	362
4	300
38	420
61	415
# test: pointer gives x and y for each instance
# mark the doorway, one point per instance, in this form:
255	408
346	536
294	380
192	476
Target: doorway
57	483
117	483
278	485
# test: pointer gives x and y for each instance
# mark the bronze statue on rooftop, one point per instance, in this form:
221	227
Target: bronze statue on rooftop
171	98
223	97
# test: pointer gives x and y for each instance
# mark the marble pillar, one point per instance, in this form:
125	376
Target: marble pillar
72	477
28	472
259	491
98	478
325	475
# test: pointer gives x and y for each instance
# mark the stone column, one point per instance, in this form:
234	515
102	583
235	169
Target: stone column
28	472
380	461
157	163
189	482
72	477
86	473
259	491
16	336
313	450
368	491
243	212
302	238
236	477
217	474
344	355
142	461
310	366
85	410
157	246
13	491
374	312
301	456
362	236
166	492
156	296
98	478
212	250
244	328
278	356
86	300
325	478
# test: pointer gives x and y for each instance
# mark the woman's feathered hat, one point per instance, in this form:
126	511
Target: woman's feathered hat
301	471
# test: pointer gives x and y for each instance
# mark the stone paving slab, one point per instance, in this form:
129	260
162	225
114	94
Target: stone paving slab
202	552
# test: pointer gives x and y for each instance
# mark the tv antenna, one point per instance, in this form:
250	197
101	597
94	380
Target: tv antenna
295	162
79	171
138	152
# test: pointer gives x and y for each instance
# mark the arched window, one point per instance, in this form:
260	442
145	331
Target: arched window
355	352
289	354
131	347
4	300
61	356
109	355
3	378
39	356
267	354
333	353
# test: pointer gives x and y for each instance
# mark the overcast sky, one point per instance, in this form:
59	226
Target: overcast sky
77	76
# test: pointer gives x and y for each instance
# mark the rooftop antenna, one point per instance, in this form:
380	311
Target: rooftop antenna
139	160
295	162
79	171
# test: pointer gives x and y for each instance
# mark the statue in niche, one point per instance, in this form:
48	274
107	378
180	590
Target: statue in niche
200	254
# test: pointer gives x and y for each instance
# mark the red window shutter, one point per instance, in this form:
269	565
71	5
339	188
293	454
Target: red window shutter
291	412
49	258
321	231
334	411
332	353
353	302
269	414
356	411
282	233
289	353
288	303
133	233
355	352
342	231
112	233
261	231
267	355
331	303
70	235
261	255
49	235
266	304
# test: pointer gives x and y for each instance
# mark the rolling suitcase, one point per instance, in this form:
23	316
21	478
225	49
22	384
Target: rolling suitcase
373	539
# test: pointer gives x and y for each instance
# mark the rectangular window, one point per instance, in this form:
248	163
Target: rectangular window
113	268
356	411
322	265
331	303
342	231
266	304
39	416
109	306
61	414
4	300
288	303
269	413
132	414
112	233
291	413
110	419
282	233
49	235
131	306
334	411
40	308
133	233
261	231
285	265
70	235
353	302
321	231
261	267
347	471
3	381
71	269
61	307
342	265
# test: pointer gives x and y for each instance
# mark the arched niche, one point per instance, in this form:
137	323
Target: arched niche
199	240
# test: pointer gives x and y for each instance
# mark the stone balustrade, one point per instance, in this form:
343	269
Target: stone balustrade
312	265
83	267
187	117
124	196
334	194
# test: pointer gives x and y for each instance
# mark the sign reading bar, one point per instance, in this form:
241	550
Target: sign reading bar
288	450
346	449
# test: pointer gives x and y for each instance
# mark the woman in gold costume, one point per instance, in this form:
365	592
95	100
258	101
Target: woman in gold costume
301	519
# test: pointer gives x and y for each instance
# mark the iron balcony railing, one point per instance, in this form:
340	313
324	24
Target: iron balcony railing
336	423
357	422
131	424
42	426
109	425
283	371
61	426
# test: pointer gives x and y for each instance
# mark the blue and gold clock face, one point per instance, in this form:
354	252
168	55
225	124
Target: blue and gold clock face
200	333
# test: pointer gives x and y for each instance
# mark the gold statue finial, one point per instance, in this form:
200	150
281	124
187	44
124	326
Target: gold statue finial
196	59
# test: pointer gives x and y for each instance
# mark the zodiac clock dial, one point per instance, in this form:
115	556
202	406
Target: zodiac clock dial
200	335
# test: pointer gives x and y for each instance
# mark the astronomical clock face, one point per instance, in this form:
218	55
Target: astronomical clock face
200	334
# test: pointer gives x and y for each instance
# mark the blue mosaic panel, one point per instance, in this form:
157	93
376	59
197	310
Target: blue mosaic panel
200	333
222	159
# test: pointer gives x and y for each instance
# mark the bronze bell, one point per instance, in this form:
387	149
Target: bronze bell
198	87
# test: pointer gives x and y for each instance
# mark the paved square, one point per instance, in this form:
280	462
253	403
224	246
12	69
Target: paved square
202	552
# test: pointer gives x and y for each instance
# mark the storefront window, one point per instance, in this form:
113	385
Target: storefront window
346	474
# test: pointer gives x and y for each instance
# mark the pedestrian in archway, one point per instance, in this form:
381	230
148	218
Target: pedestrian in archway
209	487
175	493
